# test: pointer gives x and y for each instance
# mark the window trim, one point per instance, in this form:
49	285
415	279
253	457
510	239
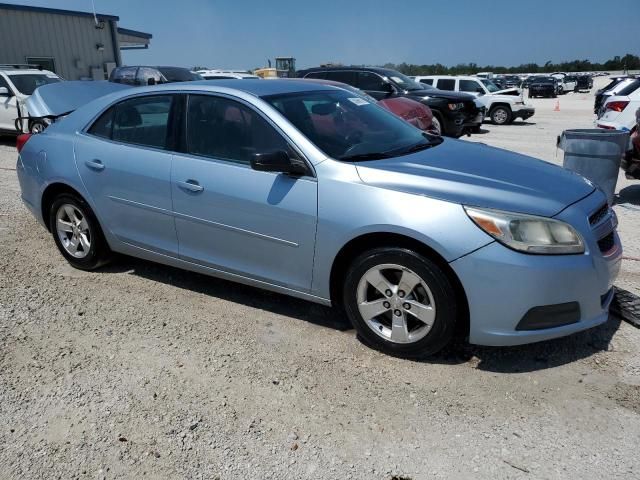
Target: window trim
182	144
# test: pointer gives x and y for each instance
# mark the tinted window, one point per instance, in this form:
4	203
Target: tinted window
446	84
143	121
176	74
216	77
102	126
124	75
342	76
316	75
370	81
27	83
427	81
221	128
470	86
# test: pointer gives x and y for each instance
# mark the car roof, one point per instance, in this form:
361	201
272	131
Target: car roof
254	86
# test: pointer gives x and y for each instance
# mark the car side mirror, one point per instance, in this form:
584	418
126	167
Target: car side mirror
4	92
278	161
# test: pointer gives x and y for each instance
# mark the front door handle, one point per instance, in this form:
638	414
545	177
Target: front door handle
191	185
94	164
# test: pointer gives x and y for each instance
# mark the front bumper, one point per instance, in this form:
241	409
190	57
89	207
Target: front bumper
503	285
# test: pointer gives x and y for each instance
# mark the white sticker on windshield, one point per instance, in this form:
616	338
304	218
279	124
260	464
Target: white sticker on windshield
358	101
397	80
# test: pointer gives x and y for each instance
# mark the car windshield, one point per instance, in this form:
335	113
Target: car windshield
403	81
26	83
347	127
174	74
492	87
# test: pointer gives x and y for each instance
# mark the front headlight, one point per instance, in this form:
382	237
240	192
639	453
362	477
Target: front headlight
528	233
456	106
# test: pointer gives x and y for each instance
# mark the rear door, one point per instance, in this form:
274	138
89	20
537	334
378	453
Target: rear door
260	225
125	164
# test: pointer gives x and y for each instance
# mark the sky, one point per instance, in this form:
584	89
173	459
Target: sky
245	33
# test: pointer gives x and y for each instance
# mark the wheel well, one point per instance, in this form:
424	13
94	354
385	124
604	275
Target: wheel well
370	241
496	105
48	197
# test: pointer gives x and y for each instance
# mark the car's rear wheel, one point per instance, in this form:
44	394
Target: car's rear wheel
500	115
436	126
400	302
77	232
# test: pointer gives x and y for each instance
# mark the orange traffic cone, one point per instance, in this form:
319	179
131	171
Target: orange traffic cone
557	109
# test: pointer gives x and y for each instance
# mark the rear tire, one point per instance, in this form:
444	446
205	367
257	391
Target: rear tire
436	125
400	302
77	233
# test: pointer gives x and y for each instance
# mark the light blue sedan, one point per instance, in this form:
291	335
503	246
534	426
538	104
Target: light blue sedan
312	191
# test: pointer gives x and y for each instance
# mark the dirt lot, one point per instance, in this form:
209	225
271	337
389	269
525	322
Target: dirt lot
143	371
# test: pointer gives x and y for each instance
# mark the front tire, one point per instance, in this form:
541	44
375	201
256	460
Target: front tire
500	115
77	233
400	302
436	125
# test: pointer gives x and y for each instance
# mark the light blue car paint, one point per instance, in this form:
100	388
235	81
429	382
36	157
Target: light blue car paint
283	234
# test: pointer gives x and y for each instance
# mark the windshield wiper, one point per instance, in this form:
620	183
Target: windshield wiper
365	156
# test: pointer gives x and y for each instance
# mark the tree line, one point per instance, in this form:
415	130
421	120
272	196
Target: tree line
628	62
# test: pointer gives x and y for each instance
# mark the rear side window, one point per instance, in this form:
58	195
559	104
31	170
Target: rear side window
225	129
428	81
447	84
342	76
370	81
629	89
103	125
143	121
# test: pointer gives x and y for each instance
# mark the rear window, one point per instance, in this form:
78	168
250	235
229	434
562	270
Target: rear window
124	75
27	83
629	89
447	84
175	74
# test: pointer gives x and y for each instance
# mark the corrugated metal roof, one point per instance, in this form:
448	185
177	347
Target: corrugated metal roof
55	11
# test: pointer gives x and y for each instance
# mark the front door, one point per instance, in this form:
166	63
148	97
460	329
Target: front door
228	216
125	165
8	107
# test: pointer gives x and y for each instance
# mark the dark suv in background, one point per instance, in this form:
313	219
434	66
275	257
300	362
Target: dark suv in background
453	113
141	75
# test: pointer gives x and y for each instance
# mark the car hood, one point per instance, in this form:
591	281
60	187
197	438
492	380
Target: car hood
508	92
478	175
55	99
435	93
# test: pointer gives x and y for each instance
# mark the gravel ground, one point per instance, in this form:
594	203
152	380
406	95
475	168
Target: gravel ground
141	370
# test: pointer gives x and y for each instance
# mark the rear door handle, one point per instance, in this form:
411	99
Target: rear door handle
94	164
191	185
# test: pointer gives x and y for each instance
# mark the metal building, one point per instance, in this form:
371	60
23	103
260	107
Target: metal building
75	45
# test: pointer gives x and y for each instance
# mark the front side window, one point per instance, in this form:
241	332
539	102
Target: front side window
447	84
492	87
348	127
142	121
470	86
427	81
370	81
221	128
26	83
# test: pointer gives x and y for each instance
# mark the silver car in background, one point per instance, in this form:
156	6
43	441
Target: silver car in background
311	191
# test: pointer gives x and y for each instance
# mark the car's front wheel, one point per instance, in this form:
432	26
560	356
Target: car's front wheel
500	115
400	302
436	126
77	232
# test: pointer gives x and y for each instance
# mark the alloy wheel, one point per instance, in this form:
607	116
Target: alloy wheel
73	230
396	303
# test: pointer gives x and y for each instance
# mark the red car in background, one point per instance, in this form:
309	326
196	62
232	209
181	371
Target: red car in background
416	113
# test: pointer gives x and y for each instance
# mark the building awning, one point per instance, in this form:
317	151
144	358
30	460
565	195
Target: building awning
132	39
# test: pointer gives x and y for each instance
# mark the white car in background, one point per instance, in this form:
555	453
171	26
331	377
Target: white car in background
225	74
17	83
567	83
619	111
501	106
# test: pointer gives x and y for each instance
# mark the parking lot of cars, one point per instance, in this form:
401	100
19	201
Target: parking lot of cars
145	370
